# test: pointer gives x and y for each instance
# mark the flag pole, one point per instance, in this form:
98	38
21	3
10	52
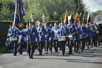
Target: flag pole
28	27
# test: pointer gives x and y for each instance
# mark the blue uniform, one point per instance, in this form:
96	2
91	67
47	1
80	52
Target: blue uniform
51	37
89	32
47	33
76	34
62	32
13	33
26	38
82	31
55	32
41	34
21	36
69	29
33	35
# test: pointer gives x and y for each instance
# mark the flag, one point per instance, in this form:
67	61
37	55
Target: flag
88	18
69	18
77	17
18	16
65	17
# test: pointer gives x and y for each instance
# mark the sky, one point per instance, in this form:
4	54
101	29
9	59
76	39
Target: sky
93	5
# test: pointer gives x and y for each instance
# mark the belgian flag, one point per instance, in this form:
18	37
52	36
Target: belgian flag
77	17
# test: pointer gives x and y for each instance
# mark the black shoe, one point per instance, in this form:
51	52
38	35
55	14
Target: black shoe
30	57
51	51
20	53
15	55
70	53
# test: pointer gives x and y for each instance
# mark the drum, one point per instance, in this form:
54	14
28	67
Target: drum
13	38
62	38
70	37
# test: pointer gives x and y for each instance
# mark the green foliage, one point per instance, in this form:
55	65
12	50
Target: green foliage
6	13
53	9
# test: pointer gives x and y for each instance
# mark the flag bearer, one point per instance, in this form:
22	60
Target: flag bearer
32	32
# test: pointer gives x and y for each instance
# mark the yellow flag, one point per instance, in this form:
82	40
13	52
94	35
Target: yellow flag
77	17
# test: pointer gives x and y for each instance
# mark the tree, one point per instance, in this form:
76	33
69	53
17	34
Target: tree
6	13
53	9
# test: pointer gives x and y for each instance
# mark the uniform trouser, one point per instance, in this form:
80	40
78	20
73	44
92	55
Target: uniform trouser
15	47
49	46
27	46
95	40
31	49
40	47
83	44
76	45
88	41
59	45
70	45
56	45
100	39
63	46
21	48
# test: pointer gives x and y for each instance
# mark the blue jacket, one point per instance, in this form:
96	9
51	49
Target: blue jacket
62	32
51	37
76	34
83	31
21	40
87	32
13	33
92	28
69	29
41	34
47	33
33	35
55	32
26	38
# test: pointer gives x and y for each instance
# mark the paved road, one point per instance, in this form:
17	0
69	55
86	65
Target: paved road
91	58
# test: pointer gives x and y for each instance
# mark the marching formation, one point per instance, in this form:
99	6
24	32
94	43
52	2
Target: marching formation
56	37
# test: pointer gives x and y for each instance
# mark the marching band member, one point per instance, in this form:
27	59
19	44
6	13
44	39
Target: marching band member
26	38
51	38
21	36
13	36
76	38
47	34
58	43
87	35
62	37
92	28
55	29
96	33
41	37
82	35
70	40
32	32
